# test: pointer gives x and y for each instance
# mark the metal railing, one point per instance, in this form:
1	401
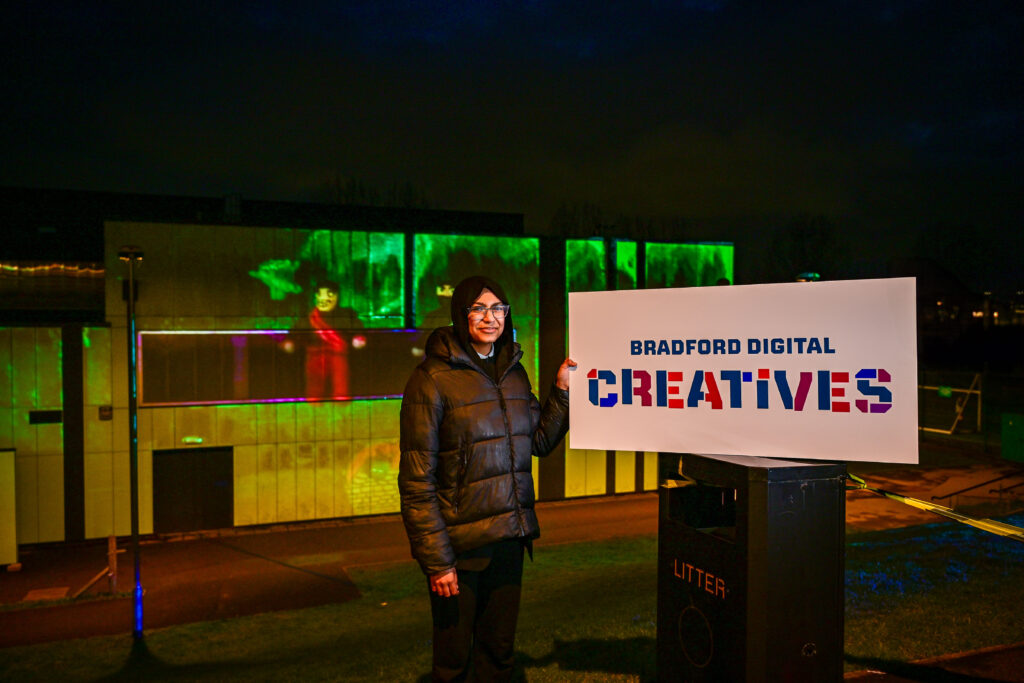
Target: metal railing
963	398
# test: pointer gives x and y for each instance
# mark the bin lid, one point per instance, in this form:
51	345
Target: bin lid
720	468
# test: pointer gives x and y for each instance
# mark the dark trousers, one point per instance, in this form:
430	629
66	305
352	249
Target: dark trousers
475	631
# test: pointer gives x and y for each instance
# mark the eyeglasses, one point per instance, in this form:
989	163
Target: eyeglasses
499	311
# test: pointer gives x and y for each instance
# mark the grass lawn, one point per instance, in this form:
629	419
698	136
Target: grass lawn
588	615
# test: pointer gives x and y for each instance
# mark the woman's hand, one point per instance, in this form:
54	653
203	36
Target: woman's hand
562	378
446	583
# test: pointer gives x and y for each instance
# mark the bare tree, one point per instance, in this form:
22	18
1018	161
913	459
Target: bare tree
352	190
806	244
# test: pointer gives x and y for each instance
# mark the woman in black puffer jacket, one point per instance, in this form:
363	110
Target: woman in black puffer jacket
469	426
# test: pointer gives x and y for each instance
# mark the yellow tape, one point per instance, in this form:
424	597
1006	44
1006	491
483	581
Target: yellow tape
989	525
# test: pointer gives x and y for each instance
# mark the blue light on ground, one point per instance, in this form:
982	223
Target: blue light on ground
873	574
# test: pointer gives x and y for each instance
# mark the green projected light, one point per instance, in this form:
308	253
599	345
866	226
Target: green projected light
584	265
444	260
367	269
279	277
688	265
625	264
366	265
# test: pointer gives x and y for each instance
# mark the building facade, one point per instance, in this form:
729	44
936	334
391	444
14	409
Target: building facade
272	347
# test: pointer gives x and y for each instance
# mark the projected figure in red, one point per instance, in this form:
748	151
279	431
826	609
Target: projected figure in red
327	351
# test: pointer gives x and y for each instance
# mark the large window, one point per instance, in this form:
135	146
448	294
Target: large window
208	368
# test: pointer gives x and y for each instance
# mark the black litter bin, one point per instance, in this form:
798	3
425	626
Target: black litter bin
750	569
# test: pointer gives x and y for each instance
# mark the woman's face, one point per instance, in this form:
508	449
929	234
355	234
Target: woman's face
326	299
487	330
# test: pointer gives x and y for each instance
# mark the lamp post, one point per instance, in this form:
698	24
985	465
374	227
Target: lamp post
132	254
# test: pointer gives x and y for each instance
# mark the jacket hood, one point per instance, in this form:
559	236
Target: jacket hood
466	292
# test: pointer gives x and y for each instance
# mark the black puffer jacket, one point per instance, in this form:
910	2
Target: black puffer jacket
465	473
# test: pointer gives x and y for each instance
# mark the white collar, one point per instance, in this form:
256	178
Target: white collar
489	354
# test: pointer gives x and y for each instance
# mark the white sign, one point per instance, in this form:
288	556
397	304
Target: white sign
822	371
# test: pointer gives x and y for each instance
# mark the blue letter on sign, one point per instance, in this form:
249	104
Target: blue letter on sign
608	376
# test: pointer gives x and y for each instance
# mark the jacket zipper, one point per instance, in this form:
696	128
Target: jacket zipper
463	466
511	456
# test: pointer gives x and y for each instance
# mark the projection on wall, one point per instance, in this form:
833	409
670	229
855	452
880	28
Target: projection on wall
586	262
340	300
363	271
441	261
688	265
584	265
625	264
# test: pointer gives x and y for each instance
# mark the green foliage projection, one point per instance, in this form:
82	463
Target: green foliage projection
688	265
625	264
584	265
279	277
367	266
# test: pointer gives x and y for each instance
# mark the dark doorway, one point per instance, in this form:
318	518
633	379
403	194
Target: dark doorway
193	489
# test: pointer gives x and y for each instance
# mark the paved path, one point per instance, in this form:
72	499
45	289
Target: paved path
248	572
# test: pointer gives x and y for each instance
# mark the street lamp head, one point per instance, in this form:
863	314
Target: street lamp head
129	253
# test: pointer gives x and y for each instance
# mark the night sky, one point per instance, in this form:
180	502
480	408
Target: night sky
898	125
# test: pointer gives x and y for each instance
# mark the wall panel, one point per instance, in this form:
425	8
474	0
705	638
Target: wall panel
49	383
384	476
575	472
145	491
324	480
359	419
305	422
99	494
49	438
266	424
246	484
98	433
8	505
121	468
6	425
362	477
343	499
26	479
266	478
198	422
287	509
24	433
6	371
24	389
597	473
650	471
96	366
286	423
625	471
51	498
384	419
342	420
305	480
162	421
323	419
